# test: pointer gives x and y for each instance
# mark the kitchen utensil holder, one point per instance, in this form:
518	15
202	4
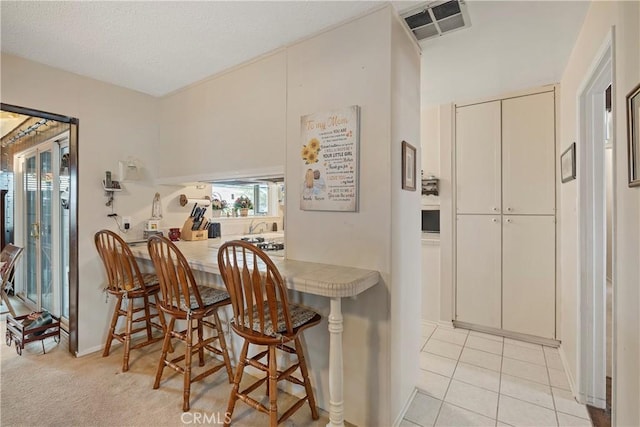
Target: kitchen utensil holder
188	234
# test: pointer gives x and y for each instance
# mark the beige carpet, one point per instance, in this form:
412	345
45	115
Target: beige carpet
57	389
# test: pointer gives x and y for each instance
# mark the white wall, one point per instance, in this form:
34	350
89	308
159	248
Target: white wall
351	65
627	292
600	18
229	123
115	123
406	283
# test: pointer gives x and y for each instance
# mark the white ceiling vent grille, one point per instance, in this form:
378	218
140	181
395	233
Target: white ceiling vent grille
437	18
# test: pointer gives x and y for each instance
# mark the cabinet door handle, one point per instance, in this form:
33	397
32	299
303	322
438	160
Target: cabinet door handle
508	220
494	220
509	209
494	209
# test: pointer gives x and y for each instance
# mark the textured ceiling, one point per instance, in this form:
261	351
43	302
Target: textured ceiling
157	47
511	45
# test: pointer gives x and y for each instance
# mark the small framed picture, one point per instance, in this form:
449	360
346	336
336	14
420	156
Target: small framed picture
633	134
408	166
568	163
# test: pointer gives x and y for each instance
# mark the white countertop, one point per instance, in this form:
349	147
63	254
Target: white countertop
309	277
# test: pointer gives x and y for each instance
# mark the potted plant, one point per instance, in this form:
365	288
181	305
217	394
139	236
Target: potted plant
243	204
217	205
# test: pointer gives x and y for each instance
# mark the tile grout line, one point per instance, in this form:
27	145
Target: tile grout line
450	381
533	403
492	370
500	384
528	379
428	338
474	385
553	399
458	361
478	366
525	361
469	410
551	387
441	341
508	357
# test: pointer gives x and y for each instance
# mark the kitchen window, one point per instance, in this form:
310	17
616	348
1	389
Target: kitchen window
257	193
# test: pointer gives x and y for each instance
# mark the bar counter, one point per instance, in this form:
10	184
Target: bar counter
331	281
314	278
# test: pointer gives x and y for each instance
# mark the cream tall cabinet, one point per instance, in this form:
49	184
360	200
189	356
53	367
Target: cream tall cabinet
505	209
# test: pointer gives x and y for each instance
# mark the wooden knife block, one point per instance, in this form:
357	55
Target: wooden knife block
188	234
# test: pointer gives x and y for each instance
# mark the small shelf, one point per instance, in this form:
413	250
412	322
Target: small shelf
115	186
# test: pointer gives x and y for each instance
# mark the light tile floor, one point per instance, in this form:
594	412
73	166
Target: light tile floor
468	378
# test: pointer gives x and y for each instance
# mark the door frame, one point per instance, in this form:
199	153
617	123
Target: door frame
592	278
74	125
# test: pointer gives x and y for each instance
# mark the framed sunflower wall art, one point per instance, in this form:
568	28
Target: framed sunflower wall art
330	160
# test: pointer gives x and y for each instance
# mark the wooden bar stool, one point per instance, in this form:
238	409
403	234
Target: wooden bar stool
8	259
128	285
179	286
263	316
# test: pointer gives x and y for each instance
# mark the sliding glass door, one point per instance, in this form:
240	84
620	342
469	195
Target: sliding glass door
45	228
32	263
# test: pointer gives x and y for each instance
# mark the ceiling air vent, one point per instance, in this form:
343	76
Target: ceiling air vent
437	18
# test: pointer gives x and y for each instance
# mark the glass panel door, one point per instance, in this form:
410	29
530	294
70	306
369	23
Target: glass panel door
31	214
39	231
45	230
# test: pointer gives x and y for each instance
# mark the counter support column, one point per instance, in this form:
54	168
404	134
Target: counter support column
336	402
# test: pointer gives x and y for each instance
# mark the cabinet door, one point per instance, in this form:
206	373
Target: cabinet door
478	265
528	155
478	158
528	275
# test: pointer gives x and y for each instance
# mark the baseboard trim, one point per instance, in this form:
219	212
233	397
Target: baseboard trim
508	334
114	344
446	324
89	351
405	407
565	365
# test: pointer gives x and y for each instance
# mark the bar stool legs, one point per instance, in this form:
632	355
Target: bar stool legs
125	336
305	378
198	347
236	381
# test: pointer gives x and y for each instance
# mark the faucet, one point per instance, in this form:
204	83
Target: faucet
252	227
